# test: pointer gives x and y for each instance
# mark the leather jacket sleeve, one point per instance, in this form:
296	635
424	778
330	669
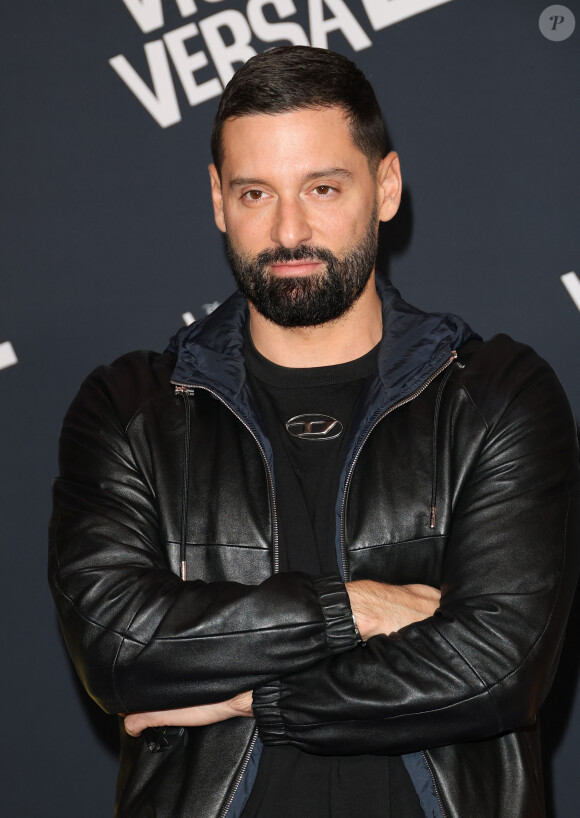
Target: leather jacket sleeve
484	662
141	638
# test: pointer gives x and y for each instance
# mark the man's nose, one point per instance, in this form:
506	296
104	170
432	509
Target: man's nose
290	227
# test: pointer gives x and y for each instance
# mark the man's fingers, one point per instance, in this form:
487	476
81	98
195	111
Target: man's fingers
135	723
194	716
425	597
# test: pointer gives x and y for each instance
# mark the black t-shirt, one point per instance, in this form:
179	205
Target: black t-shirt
307	415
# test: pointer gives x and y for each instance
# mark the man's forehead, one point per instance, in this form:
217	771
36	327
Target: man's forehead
321	135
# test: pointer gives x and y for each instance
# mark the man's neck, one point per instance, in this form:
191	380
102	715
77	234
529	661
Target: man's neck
349	337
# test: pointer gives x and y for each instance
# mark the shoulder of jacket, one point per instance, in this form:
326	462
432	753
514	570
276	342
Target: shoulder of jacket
496	372
129	382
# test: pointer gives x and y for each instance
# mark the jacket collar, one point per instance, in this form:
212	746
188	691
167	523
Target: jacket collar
414	344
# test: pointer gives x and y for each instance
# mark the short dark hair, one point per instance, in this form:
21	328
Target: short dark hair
290	78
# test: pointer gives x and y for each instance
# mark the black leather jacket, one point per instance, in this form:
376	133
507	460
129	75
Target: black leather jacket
462	473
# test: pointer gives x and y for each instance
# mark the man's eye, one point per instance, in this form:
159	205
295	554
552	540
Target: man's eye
253	195
323	190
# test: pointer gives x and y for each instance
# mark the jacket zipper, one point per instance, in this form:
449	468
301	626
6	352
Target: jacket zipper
183	388
408	399
226	807
423	753
185	492
392	408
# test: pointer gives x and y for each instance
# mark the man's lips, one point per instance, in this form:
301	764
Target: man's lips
294	268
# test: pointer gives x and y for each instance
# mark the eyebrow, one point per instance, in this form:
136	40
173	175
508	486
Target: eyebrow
343	173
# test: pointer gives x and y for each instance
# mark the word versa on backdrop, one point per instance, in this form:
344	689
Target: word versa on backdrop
217	44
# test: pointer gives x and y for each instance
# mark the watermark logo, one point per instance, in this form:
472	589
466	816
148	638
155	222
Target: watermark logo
7	355
557	23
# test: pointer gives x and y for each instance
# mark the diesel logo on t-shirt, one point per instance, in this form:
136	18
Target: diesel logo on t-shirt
314	427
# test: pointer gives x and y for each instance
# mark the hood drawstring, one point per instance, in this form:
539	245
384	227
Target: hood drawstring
185	490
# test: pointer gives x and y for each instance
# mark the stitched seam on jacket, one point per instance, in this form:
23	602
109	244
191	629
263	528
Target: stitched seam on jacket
124	708
549	618
523	388
395	543
219	545
490	688
309	725
139	409
122	634
103	628
128	637
485	688
467	393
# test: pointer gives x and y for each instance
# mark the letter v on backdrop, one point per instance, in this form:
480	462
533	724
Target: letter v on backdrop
148	14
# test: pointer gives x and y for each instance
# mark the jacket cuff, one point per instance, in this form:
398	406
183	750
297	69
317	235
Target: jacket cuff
267	714
341	633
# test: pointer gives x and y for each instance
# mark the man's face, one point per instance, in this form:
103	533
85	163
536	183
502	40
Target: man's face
300	207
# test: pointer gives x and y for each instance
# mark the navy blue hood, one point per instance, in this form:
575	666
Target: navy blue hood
415	343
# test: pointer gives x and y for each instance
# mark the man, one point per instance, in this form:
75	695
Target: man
321	551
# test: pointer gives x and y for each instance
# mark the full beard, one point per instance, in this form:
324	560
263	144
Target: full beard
309	300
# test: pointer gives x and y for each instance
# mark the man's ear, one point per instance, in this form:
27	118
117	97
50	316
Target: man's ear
217	199
389	186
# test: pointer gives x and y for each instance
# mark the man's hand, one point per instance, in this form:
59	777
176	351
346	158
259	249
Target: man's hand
195	716
381	608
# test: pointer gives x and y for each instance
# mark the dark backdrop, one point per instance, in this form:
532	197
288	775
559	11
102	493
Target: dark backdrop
108	239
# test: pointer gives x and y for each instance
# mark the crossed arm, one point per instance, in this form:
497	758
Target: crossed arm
378	608
138	635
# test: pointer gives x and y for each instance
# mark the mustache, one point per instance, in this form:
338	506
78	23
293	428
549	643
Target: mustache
306	252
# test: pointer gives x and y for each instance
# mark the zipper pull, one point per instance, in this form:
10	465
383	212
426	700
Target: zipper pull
180	389
433	517
456	359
